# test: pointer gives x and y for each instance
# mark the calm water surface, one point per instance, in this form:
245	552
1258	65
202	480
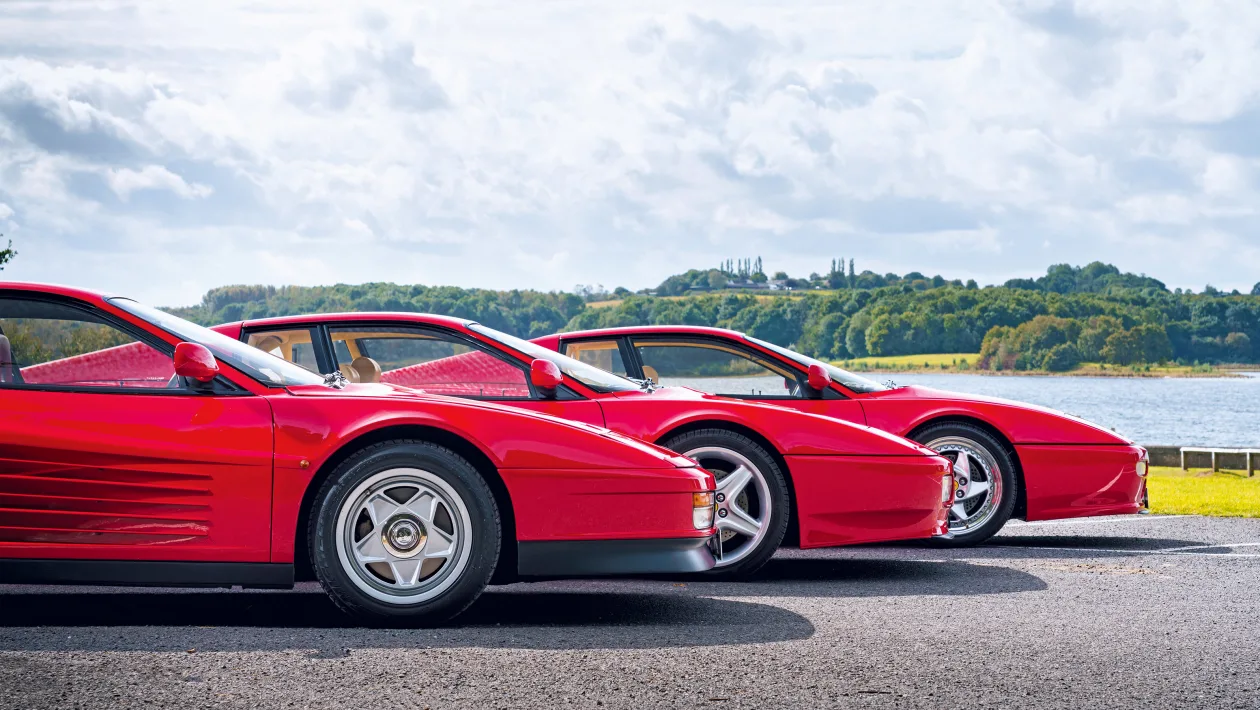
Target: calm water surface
1197	411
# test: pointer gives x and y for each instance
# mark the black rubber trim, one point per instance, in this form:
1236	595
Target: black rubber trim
147	574
592	558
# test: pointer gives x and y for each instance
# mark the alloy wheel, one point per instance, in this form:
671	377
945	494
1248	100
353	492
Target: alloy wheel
743	502
403	536
979	492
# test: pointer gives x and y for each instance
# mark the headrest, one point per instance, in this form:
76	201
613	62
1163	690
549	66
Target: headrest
267	343
349	373
368	369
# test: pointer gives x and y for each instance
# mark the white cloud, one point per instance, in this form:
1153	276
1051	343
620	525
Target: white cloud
542	146
125	181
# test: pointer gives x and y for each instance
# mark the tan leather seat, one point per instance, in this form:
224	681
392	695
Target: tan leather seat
349	373
268	343
8	369
367	369
649	372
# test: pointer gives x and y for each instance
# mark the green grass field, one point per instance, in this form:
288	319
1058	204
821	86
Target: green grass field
1200	492
913	363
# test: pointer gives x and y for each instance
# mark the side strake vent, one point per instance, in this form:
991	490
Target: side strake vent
58	503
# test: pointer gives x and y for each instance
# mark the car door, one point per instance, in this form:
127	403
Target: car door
105	454
433	359
730	369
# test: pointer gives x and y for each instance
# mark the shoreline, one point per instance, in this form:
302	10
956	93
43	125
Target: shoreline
1222	374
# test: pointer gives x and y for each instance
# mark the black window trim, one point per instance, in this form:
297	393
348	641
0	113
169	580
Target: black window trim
220	386
564	392
802	378
319	340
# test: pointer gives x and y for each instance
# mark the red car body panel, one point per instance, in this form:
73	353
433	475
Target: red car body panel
1071	467
823	455
166	475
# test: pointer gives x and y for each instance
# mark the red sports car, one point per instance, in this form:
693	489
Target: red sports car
1010	459
138	448
780	472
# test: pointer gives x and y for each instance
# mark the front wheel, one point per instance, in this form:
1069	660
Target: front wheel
987	485
752	498
405	533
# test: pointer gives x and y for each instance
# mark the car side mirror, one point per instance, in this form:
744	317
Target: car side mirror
819	378
545	375
195	361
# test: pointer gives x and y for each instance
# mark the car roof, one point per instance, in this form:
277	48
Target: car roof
56	290
358	316
649	329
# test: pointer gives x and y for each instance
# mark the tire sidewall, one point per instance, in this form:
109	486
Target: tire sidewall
456	472
780	497
1006	468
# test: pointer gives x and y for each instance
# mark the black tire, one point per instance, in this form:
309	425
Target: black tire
960	435
776	486
481	535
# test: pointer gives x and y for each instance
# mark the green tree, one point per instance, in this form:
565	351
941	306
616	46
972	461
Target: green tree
1155	345
1123	348
717	280
1238	345
1061	358
7	254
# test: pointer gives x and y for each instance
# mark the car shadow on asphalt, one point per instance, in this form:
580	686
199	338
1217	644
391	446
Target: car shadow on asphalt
791	576
509	617
1076	546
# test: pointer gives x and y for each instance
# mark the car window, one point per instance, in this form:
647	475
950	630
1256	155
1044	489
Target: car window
49	344
436	361
296	346
604	354
714	368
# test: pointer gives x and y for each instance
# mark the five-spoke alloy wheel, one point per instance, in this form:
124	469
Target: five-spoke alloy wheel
985	495
405	532
751	497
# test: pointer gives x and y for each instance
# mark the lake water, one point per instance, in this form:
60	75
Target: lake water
1199	411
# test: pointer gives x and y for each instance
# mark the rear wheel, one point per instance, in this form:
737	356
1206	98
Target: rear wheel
752	497
406	533
987	485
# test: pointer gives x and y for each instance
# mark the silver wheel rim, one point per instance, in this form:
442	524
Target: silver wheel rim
743	502
403	536
979	482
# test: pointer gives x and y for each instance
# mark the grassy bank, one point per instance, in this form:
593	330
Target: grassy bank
1202	492
965	363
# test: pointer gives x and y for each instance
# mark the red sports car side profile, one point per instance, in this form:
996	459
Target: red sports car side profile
1010	459
780	473
138	448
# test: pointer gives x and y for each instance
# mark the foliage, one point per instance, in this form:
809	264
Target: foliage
522	313
6	255
1106	317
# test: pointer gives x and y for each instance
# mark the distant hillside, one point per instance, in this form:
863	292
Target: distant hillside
1071	315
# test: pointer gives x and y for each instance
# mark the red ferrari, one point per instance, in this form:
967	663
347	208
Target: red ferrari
138	448
780	473
1010	459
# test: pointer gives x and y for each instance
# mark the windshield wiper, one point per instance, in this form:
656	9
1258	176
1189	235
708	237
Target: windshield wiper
647	385
336	380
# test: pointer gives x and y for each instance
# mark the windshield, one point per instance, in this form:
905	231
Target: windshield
592	377
852	382
267	369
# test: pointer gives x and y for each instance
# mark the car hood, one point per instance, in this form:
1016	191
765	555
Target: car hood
1049	425
406	397
793	432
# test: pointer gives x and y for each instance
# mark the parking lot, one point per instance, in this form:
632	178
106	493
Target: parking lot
1115	612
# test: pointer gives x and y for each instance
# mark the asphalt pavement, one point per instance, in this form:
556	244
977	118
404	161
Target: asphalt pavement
1116	612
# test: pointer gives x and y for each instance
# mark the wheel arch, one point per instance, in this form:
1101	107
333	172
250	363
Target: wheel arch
506	569
792	537
1021	499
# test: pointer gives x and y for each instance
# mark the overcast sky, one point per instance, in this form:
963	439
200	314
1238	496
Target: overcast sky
160	149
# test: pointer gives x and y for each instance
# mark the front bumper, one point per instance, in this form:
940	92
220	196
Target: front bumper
600	558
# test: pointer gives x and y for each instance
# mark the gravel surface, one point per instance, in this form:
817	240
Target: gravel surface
1116	612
